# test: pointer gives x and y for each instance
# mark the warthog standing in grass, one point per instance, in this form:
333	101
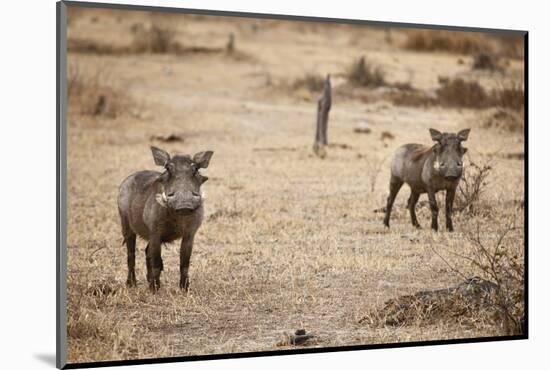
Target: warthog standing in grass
428	170
160	208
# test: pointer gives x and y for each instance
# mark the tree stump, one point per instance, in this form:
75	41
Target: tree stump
323	107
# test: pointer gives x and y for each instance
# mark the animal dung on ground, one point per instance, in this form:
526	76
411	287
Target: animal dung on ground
387	135
362	128
299	337
169	138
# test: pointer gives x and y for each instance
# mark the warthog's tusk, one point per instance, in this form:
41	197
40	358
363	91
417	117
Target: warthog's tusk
436	165
161	199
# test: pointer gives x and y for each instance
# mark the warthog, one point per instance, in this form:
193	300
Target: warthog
160	208
428	170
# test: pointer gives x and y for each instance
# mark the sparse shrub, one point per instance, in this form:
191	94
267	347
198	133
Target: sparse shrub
486	61
504	265
511	46
403	86
503	119
449	41
412	99
83	45
471	187
312	82
461	93
509	96
374	167
362	73
94	92
154	39
497	264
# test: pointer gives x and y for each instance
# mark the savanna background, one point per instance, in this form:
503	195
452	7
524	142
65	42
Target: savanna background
291	240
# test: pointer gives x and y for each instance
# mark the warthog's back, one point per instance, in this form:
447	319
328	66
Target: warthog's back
407	163
133	186
132	197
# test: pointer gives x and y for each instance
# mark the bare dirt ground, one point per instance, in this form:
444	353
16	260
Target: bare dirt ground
289	240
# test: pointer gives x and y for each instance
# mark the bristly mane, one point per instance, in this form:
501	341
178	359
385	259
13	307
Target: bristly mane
420	152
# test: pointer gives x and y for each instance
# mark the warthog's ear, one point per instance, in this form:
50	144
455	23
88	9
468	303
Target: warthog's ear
160	156
202	159
463	134
436	135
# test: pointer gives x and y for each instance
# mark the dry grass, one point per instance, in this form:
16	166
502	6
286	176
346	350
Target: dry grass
503	119
448	41
461	93
312	82
509	96
487	61
156	38
365	74
288	241
93	92
467	304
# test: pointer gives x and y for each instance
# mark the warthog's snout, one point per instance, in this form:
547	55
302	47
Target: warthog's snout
451	172
184	201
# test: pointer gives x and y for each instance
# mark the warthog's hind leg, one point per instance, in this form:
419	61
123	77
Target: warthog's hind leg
131	248
130	241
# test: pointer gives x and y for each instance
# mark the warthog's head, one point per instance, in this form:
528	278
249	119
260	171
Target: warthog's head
448	152
181	181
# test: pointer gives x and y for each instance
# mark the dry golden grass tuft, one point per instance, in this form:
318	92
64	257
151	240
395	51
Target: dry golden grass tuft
312	82
487	61
449	41
92	91
503	119
458	92
462	93
364	73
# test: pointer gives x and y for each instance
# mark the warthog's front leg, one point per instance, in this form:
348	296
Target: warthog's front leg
434	208
449	199
185	257
154	263
411	204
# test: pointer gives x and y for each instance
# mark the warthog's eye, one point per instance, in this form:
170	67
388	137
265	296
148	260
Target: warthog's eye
195	194
459	163
171	194
170	168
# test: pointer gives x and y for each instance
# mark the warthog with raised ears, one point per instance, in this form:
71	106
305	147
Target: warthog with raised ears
428	170
160	208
